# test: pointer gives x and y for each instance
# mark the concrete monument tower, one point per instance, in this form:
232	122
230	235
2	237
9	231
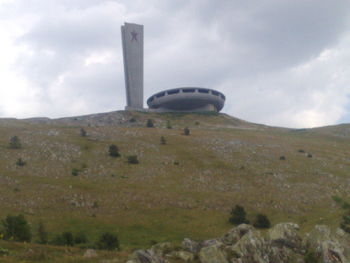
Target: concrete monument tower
132	40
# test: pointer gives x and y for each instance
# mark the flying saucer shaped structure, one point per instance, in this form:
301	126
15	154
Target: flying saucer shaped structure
187	99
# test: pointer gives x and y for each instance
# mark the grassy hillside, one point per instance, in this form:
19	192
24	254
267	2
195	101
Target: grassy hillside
185	188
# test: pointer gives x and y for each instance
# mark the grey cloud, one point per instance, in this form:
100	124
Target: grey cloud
246	49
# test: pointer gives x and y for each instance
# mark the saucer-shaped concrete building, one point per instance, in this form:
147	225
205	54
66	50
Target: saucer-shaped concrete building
187	99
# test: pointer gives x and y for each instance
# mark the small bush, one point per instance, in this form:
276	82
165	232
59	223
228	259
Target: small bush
132	159
309	155
150	123
132	120
16	228
187	131
238	215
113	151
42	234
20	162
80	238
108	241
301	151
4	252
282	158
262	221
65	239
162	140
83	133
15	143
168	125
75	172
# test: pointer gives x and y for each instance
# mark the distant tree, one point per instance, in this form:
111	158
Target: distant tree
162	140
150	123
113	151
187	131
16	228
42	234
168	125
132	159
108	241
132	120
262	221
83	133
15	143
20	162
238	215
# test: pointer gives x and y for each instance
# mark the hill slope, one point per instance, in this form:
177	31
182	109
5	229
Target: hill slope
185	188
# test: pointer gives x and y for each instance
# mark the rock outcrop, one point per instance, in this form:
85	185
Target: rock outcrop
244	244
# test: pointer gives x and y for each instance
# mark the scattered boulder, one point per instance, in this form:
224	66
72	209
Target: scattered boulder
182	255
285	235
190	246
244	244
213	254
90	253
236	233
325	246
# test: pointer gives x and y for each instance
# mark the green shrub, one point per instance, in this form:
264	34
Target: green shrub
262	221
64	239
238	215
108	241
16	228
187	131
132	120
75	172
162	140
113	151
80	238
282	158
150	123
83	133
15	143
132	159
168	125
42	234
20	162
4	252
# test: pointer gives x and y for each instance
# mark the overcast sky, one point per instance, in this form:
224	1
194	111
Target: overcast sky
279	62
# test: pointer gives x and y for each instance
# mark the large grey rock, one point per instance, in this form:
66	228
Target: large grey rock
183	255
146	256
253	248
235	234
213	254
190	246
210	242
328	248
285	235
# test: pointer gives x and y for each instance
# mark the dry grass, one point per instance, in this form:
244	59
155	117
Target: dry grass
223	162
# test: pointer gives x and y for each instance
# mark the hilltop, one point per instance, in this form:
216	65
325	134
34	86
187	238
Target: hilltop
185	188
